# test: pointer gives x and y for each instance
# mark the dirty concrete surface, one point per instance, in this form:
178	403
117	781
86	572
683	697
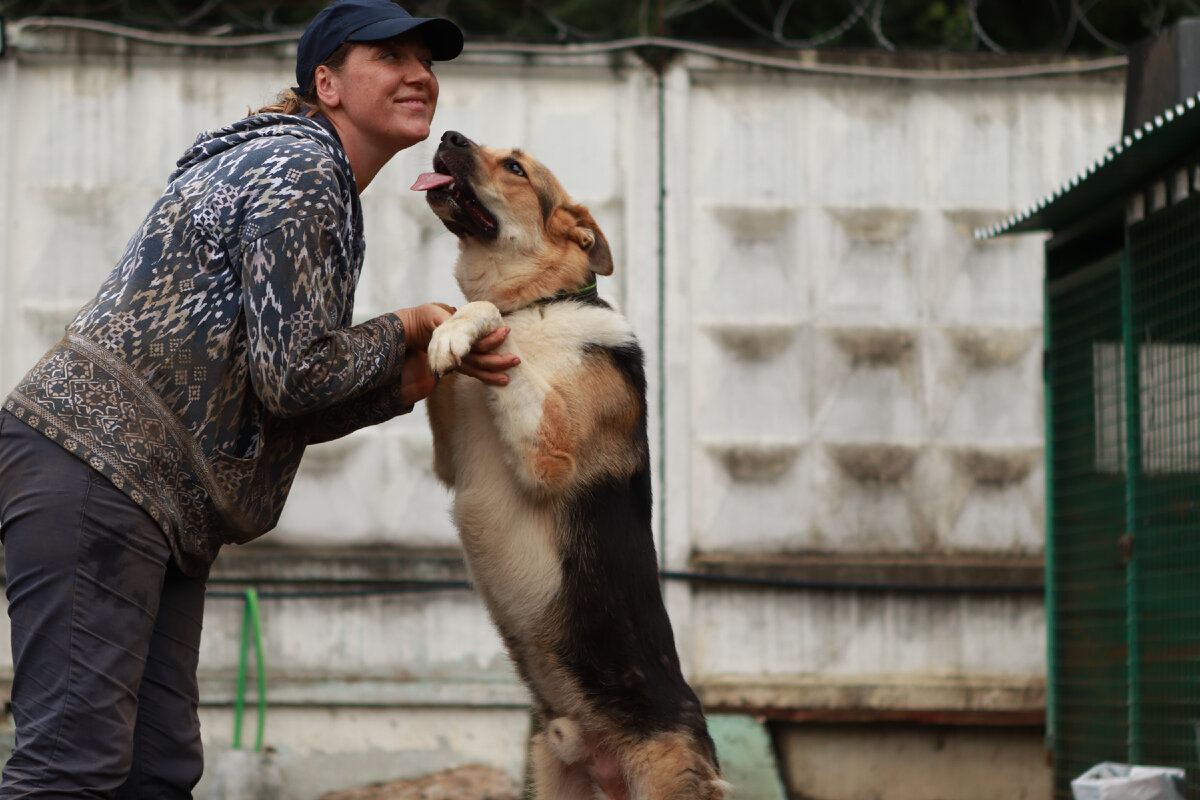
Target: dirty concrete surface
470	782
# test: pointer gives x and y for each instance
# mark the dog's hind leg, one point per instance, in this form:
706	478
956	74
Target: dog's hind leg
673	767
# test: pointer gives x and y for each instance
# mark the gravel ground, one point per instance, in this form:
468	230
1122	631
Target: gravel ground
472	782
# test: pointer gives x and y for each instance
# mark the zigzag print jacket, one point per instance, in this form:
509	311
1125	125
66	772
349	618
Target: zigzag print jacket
222	343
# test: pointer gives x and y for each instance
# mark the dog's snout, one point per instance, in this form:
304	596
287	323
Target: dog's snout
455	139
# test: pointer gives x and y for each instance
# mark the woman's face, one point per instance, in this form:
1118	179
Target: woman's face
387	92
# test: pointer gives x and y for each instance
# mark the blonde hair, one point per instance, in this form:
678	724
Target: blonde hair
290	102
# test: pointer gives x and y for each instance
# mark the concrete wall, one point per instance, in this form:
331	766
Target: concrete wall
845	388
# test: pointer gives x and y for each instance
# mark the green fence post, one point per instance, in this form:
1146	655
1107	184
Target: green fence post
1133	469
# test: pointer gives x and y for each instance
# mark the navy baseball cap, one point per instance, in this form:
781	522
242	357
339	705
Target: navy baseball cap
368	21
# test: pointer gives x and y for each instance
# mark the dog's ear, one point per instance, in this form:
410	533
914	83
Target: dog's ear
589	236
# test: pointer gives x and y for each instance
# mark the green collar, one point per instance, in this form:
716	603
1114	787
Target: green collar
583	294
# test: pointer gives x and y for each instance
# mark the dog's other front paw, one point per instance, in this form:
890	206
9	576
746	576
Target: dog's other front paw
454	338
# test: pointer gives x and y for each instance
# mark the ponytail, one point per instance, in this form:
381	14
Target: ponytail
290	101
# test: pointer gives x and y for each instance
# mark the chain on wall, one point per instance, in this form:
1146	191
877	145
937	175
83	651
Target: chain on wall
989	26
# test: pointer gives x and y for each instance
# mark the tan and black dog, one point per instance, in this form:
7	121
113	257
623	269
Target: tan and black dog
551	479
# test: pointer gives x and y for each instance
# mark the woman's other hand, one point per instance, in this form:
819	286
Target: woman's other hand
488	366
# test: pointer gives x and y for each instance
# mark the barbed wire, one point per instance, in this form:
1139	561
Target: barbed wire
991	26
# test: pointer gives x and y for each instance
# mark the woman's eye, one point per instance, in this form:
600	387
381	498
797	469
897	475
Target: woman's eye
514	166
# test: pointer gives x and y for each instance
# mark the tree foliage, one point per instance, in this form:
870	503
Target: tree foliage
1017	26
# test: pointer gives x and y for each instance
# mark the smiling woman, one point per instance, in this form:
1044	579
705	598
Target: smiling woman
220	346
368	71
380	101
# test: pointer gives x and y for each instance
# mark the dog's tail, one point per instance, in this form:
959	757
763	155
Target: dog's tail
566	740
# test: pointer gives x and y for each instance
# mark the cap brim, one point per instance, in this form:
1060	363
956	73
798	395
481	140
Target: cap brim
444	38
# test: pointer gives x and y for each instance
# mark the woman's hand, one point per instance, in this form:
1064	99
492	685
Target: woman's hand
416	381
419	322
481	363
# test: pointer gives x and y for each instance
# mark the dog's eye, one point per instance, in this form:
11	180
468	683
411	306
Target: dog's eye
514	166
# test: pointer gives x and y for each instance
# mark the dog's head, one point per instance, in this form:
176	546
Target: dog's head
520	234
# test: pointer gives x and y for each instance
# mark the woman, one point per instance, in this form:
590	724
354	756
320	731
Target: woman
171	418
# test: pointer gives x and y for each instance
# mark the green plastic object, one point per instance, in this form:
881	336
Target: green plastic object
747	756
251	626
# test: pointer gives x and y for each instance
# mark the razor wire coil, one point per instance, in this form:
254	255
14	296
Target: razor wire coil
984	26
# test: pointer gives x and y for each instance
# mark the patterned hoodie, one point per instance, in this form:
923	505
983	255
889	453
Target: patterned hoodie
222	343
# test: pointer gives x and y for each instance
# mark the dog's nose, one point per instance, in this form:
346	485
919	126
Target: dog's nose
455	139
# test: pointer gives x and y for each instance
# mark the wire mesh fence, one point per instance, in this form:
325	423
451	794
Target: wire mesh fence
1123	549
986	26
1085	591
1164	304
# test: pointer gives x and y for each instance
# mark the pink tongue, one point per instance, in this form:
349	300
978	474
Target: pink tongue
431	180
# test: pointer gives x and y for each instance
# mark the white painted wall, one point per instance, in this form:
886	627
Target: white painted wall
836	365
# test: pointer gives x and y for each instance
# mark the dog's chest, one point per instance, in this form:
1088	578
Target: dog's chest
553	338
551	346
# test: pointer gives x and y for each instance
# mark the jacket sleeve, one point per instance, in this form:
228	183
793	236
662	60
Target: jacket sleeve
298	288
376	406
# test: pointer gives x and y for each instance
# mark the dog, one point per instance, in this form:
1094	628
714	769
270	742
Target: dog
551	480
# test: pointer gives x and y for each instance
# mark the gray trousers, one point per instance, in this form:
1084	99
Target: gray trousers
105	634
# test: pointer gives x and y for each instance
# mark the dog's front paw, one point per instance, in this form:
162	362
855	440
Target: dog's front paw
447	347
454	338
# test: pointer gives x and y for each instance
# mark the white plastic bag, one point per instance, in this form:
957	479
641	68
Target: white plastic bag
1109	780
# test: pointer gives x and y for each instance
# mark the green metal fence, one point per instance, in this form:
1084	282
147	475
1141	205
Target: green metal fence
1123	540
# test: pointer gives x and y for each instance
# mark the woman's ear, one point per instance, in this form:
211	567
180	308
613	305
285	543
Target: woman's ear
326	82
